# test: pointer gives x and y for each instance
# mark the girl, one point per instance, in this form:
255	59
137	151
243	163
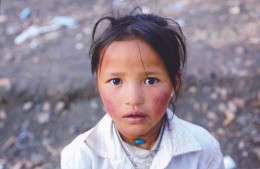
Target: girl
138	62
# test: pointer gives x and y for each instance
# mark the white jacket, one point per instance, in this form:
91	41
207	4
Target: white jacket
184	146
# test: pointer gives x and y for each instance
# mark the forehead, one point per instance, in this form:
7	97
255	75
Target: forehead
133	53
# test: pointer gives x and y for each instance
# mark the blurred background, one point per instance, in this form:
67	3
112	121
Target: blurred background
48	95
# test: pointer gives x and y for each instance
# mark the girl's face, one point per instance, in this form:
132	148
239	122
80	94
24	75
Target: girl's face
135	87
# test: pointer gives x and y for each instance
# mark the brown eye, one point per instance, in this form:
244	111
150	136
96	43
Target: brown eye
115	81
151	80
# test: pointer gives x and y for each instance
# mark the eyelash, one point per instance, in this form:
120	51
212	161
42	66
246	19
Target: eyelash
149	81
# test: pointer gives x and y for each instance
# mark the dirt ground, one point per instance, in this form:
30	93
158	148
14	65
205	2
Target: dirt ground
48	95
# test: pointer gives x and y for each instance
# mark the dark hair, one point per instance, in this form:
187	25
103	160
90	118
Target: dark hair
162	34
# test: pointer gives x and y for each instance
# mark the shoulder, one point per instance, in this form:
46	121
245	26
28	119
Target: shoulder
199	133
211	155
73	153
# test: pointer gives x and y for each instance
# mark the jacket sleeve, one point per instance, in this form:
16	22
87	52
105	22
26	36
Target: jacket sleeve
216	159
75	157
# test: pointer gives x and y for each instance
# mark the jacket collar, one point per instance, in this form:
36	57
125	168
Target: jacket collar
105	143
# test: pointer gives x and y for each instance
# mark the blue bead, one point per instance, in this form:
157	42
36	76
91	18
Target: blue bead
139	141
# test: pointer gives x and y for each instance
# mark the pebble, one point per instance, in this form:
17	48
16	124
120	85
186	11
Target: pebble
196	106
2	124
222	92
79	46
59	106
94	104
241	145
27	106
256	151
221	107
52	36
235	10
37	158
193	89
3	115
8	57
239	102
18	165
239	50
256	139
46	106
79	36
220	131
8	143
212	116
12	28
229	162
2	163
229	117
213	96
3	18
245	154
5	84
34	44
232	106
43	117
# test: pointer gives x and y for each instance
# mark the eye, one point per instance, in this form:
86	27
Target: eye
115	81
151	80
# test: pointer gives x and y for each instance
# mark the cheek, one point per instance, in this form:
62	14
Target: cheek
110	104
161	101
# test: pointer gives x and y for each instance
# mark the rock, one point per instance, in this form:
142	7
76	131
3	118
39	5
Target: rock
43	117
59	106
5	84
93	104
193	89
212	116
235	10
213	96
229	117
232	107
18	165
12	28
37	159
256	151
245	154
3	115
79	36
79	46
46	107
239	50
2	124
34	44
229	162
222	92
239	102
241	145
2	163
221	107
3	18
8	143
27	106
8	57
256	139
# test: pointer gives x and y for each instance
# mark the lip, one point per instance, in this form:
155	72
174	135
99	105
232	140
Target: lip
135	116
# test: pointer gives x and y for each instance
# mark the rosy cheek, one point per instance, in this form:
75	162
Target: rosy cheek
109	103
161	101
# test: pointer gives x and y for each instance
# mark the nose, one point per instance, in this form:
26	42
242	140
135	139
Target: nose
134	95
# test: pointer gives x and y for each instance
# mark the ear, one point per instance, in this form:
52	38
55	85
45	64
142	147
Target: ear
179	79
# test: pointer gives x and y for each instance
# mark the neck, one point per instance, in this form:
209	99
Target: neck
149	139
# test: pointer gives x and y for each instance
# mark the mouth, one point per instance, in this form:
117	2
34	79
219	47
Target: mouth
135	116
